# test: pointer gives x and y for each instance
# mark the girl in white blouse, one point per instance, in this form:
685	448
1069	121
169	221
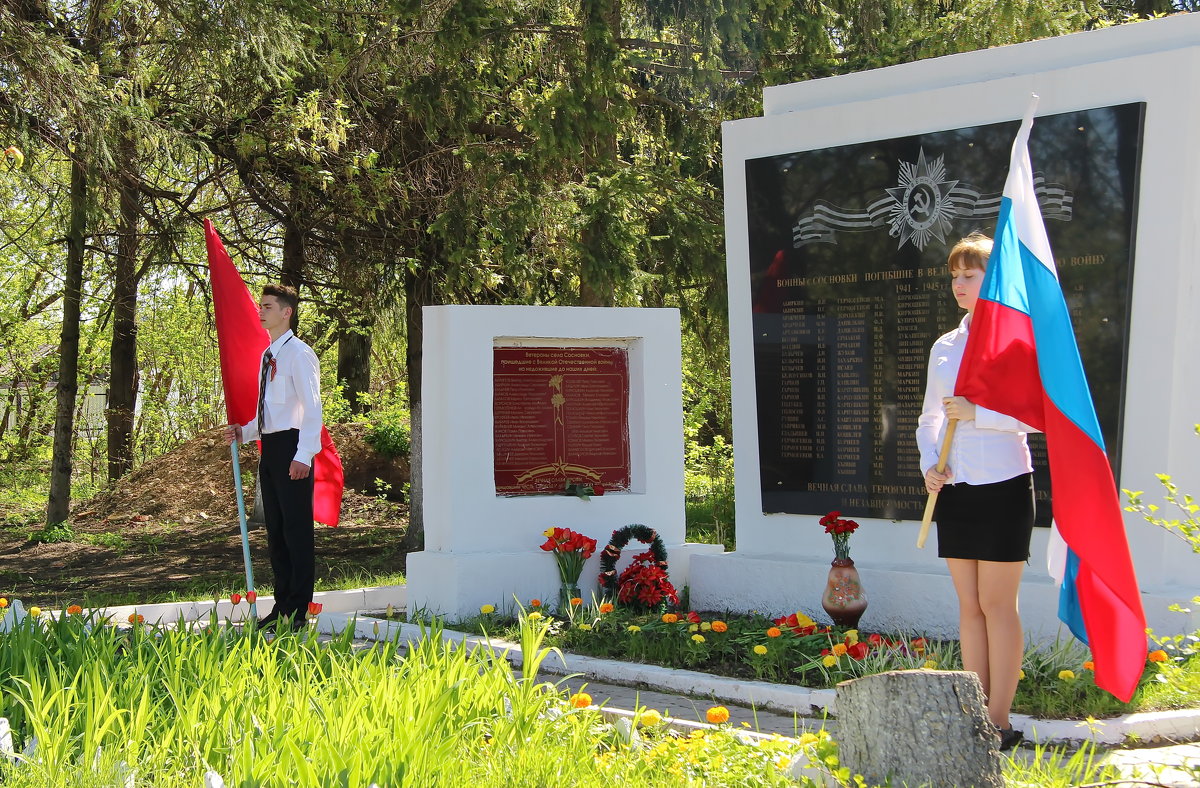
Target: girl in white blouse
985	504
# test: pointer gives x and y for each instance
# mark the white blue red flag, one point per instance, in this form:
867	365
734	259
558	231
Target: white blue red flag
1022	360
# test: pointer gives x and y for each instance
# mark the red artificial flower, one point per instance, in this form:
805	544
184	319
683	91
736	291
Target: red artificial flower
792	622
235	598
859	650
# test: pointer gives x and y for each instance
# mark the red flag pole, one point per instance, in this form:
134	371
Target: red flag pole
241	503
229	291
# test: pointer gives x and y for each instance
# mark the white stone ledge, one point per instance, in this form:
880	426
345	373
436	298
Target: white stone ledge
1147	727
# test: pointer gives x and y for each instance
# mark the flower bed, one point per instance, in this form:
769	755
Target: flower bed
1056	681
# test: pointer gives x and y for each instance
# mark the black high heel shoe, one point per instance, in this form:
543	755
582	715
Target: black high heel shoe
1009	737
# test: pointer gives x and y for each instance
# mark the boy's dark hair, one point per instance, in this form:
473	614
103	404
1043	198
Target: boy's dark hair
286	296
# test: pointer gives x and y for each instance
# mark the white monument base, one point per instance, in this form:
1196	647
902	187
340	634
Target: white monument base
899	600
454	586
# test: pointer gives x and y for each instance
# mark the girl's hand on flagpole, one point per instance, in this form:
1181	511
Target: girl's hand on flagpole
934	481
233	432
959	408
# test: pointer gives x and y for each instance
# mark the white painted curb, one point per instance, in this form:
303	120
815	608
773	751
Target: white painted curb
1147	727
341	608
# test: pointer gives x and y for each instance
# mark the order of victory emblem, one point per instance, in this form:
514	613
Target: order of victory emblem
920	207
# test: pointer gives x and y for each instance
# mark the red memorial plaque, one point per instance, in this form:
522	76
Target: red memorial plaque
561	416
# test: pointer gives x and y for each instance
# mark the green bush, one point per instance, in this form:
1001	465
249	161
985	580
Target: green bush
388	419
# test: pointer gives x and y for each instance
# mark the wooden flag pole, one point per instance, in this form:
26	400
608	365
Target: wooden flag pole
941	468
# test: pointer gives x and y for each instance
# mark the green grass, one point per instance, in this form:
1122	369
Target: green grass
165	706
192	591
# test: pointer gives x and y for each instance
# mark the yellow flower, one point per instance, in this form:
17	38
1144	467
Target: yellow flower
760	649
649	718
1089	665
535	616
3	603
717	715
35	611
773	632
1066	675
487	609
693	627
633	628
719	626
549	532
606	607
698	638
580	700
829	661
804	621
851	637
1158	655
839	649
586	627
705	626
669	618
929	664
808	738
1021	676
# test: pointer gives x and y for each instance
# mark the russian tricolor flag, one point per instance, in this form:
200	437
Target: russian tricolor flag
1022	360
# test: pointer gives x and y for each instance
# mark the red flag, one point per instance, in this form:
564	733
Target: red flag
241	340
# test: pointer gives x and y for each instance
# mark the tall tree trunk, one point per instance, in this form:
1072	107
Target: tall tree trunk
603	29
418	292
354	359
122	392
293	253
59	504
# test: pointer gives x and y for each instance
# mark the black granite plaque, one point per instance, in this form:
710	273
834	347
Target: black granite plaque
849	288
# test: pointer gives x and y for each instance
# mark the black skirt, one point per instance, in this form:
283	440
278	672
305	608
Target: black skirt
986	522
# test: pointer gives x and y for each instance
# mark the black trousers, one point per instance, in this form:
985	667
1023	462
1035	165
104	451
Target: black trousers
288	511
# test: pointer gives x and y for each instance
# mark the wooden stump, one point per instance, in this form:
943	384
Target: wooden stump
917	728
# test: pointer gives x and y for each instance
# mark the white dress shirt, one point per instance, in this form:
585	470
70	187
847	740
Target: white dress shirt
989	448
293	397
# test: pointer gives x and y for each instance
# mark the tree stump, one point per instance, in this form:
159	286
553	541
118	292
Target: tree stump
918	728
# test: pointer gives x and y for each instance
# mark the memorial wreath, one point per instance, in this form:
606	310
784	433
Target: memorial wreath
644	583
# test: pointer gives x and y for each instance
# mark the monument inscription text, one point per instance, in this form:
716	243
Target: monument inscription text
560	416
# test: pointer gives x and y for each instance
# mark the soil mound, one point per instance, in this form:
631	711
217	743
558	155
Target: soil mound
193	482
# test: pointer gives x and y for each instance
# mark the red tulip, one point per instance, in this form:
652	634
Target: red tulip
858	650
314	608
235	598
252	597
693	617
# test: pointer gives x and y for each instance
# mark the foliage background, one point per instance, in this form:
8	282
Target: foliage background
383	155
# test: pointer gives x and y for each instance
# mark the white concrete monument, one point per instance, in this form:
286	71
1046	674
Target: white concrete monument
1152	69
502	420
